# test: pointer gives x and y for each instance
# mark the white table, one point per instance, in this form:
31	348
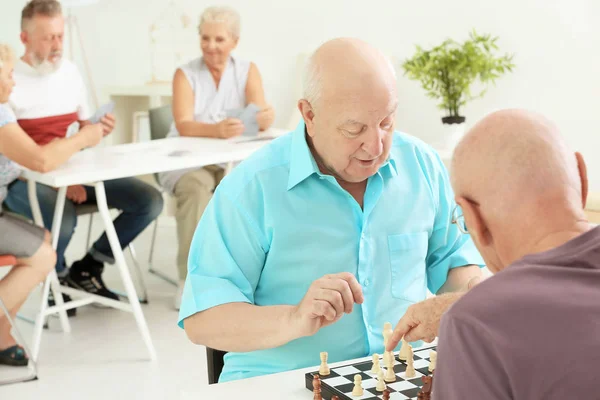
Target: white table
94	166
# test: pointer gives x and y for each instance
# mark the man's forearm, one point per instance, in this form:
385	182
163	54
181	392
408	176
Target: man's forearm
241	327
461	279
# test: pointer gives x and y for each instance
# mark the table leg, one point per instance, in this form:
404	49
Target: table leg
115	245
52	279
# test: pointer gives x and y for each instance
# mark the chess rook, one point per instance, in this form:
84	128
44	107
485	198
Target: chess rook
324	370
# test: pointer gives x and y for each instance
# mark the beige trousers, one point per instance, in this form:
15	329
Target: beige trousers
193	191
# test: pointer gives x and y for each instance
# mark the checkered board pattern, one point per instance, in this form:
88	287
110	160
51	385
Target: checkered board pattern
340	381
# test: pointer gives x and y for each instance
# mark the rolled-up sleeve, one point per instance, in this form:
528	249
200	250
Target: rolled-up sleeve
225	260
448	247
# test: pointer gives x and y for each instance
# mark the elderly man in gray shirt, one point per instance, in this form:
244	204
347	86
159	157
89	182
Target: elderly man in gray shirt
533	330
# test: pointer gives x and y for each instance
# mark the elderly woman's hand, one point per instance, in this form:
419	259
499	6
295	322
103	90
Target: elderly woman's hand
229	128
265	118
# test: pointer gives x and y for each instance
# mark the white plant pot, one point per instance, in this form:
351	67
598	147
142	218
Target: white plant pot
451	135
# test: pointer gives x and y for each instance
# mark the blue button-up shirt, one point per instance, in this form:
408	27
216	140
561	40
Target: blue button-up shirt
276	224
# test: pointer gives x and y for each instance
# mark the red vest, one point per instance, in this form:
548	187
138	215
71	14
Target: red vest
45	130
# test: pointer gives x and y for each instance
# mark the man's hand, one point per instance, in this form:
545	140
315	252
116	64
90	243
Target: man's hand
265	117
108	123
325	303
76	194
422	320
93	134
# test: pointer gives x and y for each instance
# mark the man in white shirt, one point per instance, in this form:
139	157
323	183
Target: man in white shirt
49	99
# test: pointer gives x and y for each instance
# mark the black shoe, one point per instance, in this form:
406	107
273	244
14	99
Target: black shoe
89	279
66	298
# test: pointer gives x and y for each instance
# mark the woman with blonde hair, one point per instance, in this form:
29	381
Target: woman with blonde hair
28	243
203	90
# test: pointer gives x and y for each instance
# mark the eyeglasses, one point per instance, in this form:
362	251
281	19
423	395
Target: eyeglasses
459	219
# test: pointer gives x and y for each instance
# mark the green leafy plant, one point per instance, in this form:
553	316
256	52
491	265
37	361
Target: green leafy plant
448	71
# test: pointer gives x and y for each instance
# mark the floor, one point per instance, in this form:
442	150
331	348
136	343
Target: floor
103	357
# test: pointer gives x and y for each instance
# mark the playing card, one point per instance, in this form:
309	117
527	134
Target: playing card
102	111
248	117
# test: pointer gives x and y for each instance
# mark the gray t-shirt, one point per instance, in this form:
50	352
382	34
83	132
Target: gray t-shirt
9	171
530	332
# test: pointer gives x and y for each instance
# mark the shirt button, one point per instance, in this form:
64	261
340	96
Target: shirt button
366	282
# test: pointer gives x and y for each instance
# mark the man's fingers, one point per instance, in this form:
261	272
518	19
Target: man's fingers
355	287
333	297
342	287
404	326
429	339
418	333
322	308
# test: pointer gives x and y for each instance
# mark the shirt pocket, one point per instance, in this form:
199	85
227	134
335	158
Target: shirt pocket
408	252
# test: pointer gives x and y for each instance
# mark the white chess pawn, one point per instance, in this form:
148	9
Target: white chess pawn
432	360
403	355
376	367
390	375
381	386
324	370
358	390
410	368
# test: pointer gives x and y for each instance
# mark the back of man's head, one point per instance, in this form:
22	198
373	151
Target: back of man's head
524	180
47	8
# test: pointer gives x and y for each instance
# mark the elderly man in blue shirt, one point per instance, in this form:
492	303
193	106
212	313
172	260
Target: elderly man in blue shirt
321	237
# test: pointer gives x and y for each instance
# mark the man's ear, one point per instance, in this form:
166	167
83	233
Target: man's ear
24	37
308	115
583	177
474	221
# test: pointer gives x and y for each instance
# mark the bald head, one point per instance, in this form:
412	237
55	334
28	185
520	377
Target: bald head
345	67
349	109
515	156
519	186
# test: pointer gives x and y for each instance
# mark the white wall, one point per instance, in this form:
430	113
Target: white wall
556	44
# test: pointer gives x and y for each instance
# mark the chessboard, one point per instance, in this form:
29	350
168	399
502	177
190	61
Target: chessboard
340	381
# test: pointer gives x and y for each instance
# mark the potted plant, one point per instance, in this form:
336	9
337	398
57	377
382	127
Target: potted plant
448	71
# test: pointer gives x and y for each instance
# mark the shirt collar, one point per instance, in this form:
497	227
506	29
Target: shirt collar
303	164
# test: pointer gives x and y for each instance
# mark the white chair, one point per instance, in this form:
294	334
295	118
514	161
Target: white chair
160	120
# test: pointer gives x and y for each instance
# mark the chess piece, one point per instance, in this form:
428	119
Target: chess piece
380	382
324	370
386	395
410	368
386	358
317	387
432	360
358	389
376	367
390	375
425	392
403	355
388	331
